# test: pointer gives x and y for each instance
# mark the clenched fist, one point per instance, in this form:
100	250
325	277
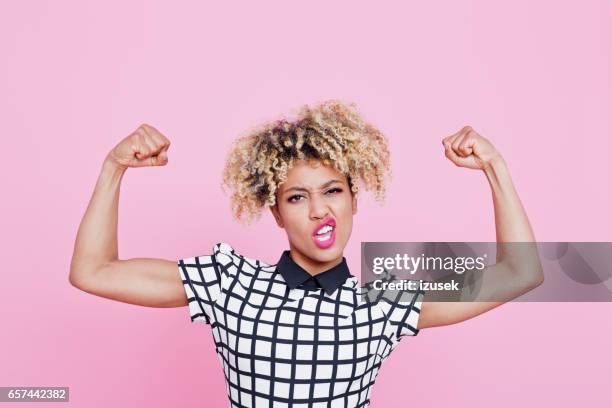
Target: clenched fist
146	146
467	148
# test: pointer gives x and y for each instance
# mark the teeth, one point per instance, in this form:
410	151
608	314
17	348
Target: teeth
324	230
324	238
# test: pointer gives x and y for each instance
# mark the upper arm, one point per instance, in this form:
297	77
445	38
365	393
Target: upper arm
139	281
496	284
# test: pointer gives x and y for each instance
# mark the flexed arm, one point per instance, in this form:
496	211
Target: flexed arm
517	270
95	266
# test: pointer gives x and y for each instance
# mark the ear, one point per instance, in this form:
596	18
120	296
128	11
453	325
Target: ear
277	216
354	203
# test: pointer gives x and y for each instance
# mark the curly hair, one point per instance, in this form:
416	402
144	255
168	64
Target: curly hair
331	132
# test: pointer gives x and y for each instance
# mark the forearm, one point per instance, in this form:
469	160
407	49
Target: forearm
511	222
516	241
96	241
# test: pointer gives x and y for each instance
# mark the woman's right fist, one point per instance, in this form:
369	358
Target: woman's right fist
146	146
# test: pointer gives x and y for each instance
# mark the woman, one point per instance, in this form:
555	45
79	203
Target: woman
295	333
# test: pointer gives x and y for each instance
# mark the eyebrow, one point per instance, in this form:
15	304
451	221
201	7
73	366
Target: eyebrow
298	188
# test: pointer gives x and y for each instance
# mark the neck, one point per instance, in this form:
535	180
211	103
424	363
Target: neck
312	266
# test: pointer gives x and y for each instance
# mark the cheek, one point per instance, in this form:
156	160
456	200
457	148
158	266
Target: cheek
348	226
344	208
347	217
294	219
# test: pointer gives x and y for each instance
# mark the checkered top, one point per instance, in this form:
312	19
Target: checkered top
293	347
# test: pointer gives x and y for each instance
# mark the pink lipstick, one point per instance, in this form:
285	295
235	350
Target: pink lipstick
324	235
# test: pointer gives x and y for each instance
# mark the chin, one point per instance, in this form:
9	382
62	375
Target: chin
312	251
328	254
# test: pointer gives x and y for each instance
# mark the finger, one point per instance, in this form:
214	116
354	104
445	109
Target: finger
142	149
159	141
158	148
450	139
152	145
456	159
150	139
149	129
159	160
156	134
457	142
146	162
467	144
149	161
163	154
450	153
161	145
466	129
141	152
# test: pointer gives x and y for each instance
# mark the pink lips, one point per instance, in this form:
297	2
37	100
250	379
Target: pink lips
331	235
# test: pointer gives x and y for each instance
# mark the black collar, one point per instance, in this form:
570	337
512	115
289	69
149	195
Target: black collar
295	275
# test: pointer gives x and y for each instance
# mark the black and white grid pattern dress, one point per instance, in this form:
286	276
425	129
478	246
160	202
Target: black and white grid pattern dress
289	339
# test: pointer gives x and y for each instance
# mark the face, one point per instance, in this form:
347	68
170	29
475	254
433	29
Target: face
312	196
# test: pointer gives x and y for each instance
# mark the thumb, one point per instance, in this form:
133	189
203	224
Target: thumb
160	160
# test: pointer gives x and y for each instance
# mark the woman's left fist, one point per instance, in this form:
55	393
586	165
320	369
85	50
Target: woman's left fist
467	148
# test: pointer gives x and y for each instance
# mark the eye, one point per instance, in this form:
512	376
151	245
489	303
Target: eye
335	189
291	199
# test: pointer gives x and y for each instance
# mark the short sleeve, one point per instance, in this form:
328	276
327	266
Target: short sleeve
403	308
202	278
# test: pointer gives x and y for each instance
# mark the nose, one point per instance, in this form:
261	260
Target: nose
318	208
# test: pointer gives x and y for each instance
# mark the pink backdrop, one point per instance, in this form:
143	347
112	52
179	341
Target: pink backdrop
76	77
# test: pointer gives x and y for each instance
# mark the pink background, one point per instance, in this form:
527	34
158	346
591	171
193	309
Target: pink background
76	77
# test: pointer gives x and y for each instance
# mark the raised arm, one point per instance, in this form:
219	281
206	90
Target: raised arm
518	268
96	267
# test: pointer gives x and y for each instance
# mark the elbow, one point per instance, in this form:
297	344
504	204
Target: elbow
540	279
81	281
534	279
74	275
83	275
79	274
528	274
536	282
75	279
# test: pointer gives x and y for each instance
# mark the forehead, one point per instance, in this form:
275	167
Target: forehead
311	175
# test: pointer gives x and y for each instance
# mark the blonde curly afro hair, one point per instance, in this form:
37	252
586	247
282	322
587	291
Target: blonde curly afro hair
331	132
